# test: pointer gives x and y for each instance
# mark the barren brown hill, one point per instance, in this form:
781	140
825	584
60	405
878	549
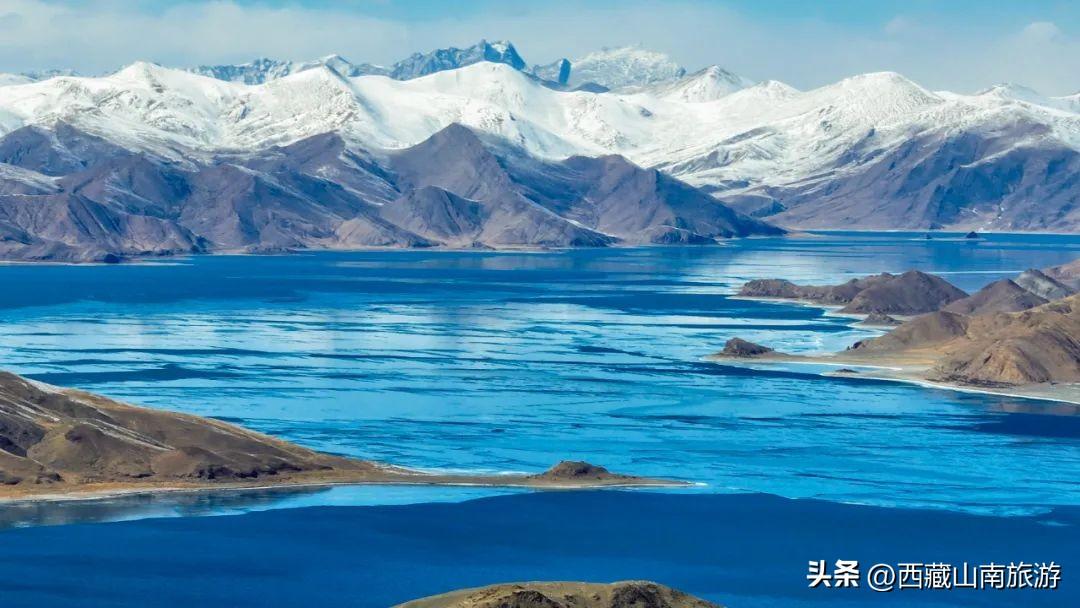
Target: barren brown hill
631	594
818	294
1039	345
1000	296
55	437
58	441
910	293
924	331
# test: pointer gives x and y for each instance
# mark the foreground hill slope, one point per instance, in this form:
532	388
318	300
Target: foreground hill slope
630	594
57	441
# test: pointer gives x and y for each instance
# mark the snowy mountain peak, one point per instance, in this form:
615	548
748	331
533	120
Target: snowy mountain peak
556	71
709	84
257	71
624	66
139	70
1014	92
439	60
263	70
884	87
777	88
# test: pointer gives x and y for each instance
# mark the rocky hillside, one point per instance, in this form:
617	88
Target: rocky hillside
57	441
1009	333
1000	296
632	594
72	196
910	293
1037	345
57	438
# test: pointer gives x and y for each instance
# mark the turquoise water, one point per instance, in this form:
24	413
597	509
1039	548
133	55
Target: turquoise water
500	362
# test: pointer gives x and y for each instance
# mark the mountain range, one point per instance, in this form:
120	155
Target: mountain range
621	146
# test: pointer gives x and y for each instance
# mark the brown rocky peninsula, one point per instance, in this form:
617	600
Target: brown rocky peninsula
630	594
1034	352
1019	336
58	442
1033	346
910	293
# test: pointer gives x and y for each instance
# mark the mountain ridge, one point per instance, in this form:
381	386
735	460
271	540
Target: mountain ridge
83	199
874	151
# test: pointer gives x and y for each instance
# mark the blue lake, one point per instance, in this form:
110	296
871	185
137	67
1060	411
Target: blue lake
485	361
511	361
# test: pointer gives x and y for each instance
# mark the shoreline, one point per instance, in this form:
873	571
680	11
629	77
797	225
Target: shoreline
391	476
831	310
793	232
172	259
906	371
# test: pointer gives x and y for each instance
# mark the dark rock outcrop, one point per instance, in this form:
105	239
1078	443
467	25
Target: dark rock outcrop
629	594
737	347
576	470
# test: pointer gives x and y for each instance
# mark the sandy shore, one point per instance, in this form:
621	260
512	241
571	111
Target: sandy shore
910	367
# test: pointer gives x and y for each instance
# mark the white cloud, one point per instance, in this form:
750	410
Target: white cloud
99	35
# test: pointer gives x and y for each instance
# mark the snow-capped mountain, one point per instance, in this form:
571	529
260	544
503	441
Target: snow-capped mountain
871	151
557	72
262	70
422	64
709	84
627	66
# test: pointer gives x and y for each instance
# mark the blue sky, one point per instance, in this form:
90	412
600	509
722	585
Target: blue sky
961	45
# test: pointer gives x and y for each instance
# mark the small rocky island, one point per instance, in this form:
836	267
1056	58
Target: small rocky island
630	594
737	347
56	442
